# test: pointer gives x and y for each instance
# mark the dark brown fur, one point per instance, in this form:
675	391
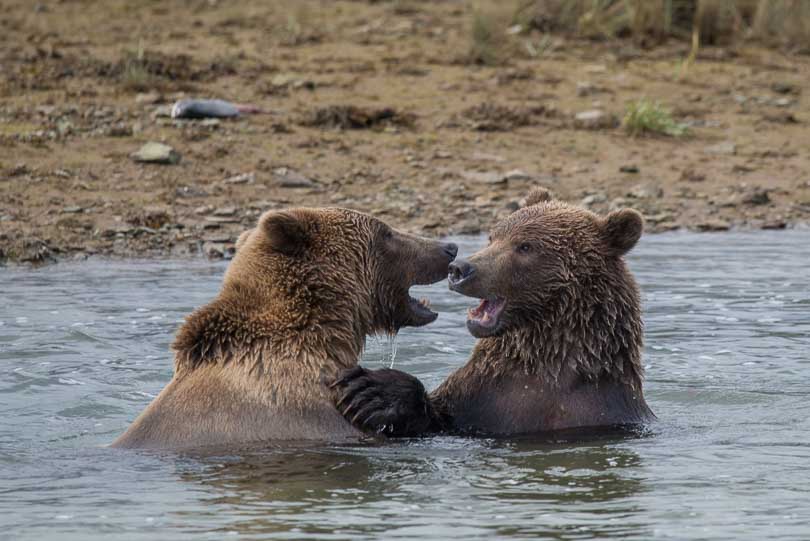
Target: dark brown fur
304	289
566	349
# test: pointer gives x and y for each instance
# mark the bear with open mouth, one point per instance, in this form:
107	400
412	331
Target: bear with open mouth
299	298
559	328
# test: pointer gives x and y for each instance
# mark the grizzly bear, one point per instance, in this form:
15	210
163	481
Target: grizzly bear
304	290
559	329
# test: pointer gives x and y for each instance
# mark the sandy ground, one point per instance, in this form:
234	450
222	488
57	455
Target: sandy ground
372	106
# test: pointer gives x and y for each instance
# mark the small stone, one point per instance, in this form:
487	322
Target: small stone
774	224
645	192
783	87
713	225
225	211
244	178
595	119
119	130
756	197
484	177
19	170
516	175
783	102
726	148
691	175
585	88
288	178
156	153
148	98
593	199
205	209
72	210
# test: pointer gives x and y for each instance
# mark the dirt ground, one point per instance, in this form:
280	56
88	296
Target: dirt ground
372	106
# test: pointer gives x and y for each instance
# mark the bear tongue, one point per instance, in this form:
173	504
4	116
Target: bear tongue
487	311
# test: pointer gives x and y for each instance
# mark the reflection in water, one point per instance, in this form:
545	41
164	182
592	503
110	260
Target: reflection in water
85	346
275	491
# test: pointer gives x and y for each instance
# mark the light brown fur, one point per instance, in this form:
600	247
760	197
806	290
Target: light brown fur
304	289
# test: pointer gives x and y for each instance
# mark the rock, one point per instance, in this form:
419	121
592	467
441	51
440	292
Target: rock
595	119
726	148
783	102
72	210
516	175
244	178
647	191
119	130
756	197
585	88
774	224
713	225
631	169
691	175
148	98
784	87
225	211
484	177
287	178
156	153
205	209
593	199
19	170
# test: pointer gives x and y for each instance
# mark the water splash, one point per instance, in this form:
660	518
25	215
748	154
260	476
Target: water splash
387	345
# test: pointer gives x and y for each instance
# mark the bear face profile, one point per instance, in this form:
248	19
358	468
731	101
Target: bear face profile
559	327
304	290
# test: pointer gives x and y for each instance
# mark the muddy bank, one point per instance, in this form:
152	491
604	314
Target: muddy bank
370	106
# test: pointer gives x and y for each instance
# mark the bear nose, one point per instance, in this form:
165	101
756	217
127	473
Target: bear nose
459	271
451	249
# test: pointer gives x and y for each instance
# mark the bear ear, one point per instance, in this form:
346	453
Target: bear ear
538	195
622	229
243	239
284	231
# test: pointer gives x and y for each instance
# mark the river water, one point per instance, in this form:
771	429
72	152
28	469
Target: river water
84	347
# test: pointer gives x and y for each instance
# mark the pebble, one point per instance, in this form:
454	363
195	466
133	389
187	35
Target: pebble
288	178
516	175
225	211
484	177
244	178
156	153
756	197
726	148
593	199
713	225
595	119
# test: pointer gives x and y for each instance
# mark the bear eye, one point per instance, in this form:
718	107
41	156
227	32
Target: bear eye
388	234
524	248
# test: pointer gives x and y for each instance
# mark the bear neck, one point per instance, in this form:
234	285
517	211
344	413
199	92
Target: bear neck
292	337
586	333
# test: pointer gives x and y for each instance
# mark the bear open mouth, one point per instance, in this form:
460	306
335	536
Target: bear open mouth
483	320
421	312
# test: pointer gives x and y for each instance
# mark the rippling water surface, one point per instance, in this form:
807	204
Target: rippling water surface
84	348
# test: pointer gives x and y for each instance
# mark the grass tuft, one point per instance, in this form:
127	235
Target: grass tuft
645	117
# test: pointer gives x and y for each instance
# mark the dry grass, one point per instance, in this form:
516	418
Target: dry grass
490	44
779	22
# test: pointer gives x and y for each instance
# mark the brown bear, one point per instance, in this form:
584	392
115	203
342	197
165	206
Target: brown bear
559	328
305	288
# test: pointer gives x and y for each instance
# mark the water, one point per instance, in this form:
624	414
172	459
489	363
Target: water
83	348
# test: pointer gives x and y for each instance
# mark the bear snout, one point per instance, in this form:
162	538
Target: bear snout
451	250
459	272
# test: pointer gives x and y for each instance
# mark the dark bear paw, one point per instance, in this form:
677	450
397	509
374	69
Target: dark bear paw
384	401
